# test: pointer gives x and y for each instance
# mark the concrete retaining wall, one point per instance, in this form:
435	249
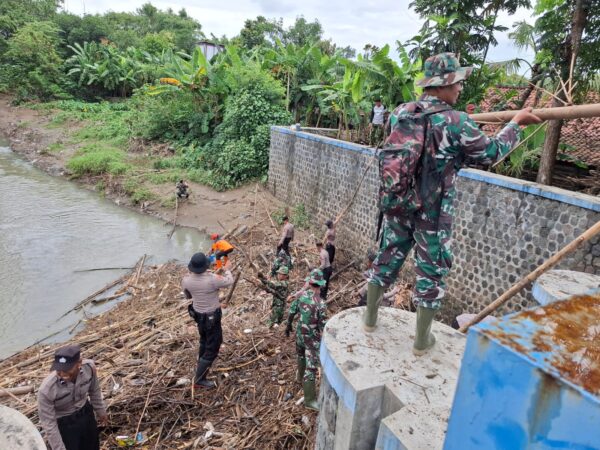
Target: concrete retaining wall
504	227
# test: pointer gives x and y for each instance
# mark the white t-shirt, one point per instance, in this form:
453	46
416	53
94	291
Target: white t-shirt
378	112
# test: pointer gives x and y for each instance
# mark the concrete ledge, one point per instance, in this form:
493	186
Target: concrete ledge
553	193
563	284
327	140
17	432
383	391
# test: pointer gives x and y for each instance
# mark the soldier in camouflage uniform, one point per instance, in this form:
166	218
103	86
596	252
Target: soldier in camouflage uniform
282	259
454	137
279	289
311	309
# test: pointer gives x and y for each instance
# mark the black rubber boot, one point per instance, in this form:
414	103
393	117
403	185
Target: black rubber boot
201	371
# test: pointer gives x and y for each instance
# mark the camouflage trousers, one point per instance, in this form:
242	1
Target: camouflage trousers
277	310
433	257
376	135
307	349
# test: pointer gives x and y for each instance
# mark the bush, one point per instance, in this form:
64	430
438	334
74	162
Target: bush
170	116
141	195
239	150
97	162
31	65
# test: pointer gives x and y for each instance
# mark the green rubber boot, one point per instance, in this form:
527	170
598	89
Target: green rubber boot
424	338
300	370
374	294
310	395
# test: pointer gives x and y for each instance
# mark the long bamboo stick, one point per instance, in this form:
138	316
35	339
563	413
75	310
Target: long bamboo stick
4	392
584	237
563	112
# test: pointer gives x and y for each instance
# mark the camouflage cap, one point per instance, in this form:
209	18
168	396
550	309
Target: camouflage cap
443	69
283	270
315	277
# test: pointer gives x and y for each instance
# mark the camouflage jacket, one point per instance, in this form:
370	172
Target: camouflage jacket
282	260
312	316
278	288
456	138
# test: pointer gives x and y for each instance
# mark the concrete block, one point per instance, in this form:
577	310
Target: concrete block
383	391
17	432
562	284
531	380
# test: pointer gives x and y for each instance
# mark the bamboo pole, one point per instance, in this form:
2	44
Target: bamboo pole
562	112
174	218
5	392
584	237
231	291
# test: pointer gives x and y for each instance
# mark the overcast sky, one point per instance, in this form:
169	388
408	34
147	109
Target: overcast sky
345	22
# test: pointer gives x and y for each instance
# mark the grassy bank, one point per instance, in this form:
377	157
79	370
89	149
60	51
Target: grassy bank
102	147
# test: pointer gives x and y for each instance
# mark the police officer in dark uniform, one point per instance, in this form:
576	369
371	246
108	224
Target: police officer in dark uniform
67	400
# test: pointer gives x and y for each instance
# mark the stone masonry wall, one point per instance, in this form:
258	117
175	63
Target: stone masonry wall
504	227
323	173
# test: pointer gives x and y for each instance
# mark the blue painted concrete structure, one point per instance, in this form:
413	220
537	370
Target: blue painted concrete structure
531	380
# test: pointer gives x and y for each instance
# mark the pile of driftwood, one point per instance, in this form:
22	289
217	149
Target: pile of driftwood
145	349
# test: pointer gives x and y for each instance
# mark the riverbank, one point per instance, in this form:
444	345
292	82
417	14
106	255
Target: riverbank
145	349
49	141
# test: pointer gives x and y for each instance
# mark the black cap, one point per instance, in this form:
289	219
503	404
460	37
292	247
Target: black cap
66	357
329	223
199	263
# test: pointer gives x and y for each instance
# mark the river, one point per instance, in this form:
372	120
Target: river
50	230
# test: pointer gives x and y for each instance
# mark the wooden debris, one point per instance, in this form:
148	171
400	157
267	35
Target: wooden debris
146	347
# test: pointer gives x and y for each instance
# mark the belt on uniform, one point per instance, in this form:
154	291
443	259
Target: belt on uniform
83	411
198	315
208	314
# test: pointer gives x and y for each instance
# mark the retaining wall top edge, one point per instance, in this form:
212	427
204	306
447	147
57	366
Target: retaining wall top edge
326	140
529	187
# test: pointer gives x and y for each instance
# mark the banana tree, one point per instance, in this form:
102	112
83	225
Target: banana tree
341	99
383	77
286	61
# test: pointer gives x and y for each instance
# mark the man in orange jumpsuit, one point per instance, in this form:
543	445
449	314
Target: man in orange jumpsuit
220	249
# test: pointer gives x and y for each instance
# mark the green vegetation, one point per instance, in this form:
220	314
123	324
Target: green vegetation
136	82
56	147
95	161
298	216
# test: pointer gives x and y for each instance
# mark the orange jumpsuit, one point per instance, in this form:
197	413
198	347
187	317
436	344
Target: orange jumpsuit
221	246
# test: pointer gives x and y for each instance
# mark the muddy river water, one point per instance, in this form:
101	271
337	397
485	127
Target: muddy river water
51	230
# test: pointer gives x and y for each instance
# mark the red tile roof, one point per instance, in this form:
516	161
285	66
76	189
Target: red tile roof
581	134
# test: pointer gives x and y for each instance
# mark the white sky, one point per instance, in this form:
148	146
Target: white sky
347	23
